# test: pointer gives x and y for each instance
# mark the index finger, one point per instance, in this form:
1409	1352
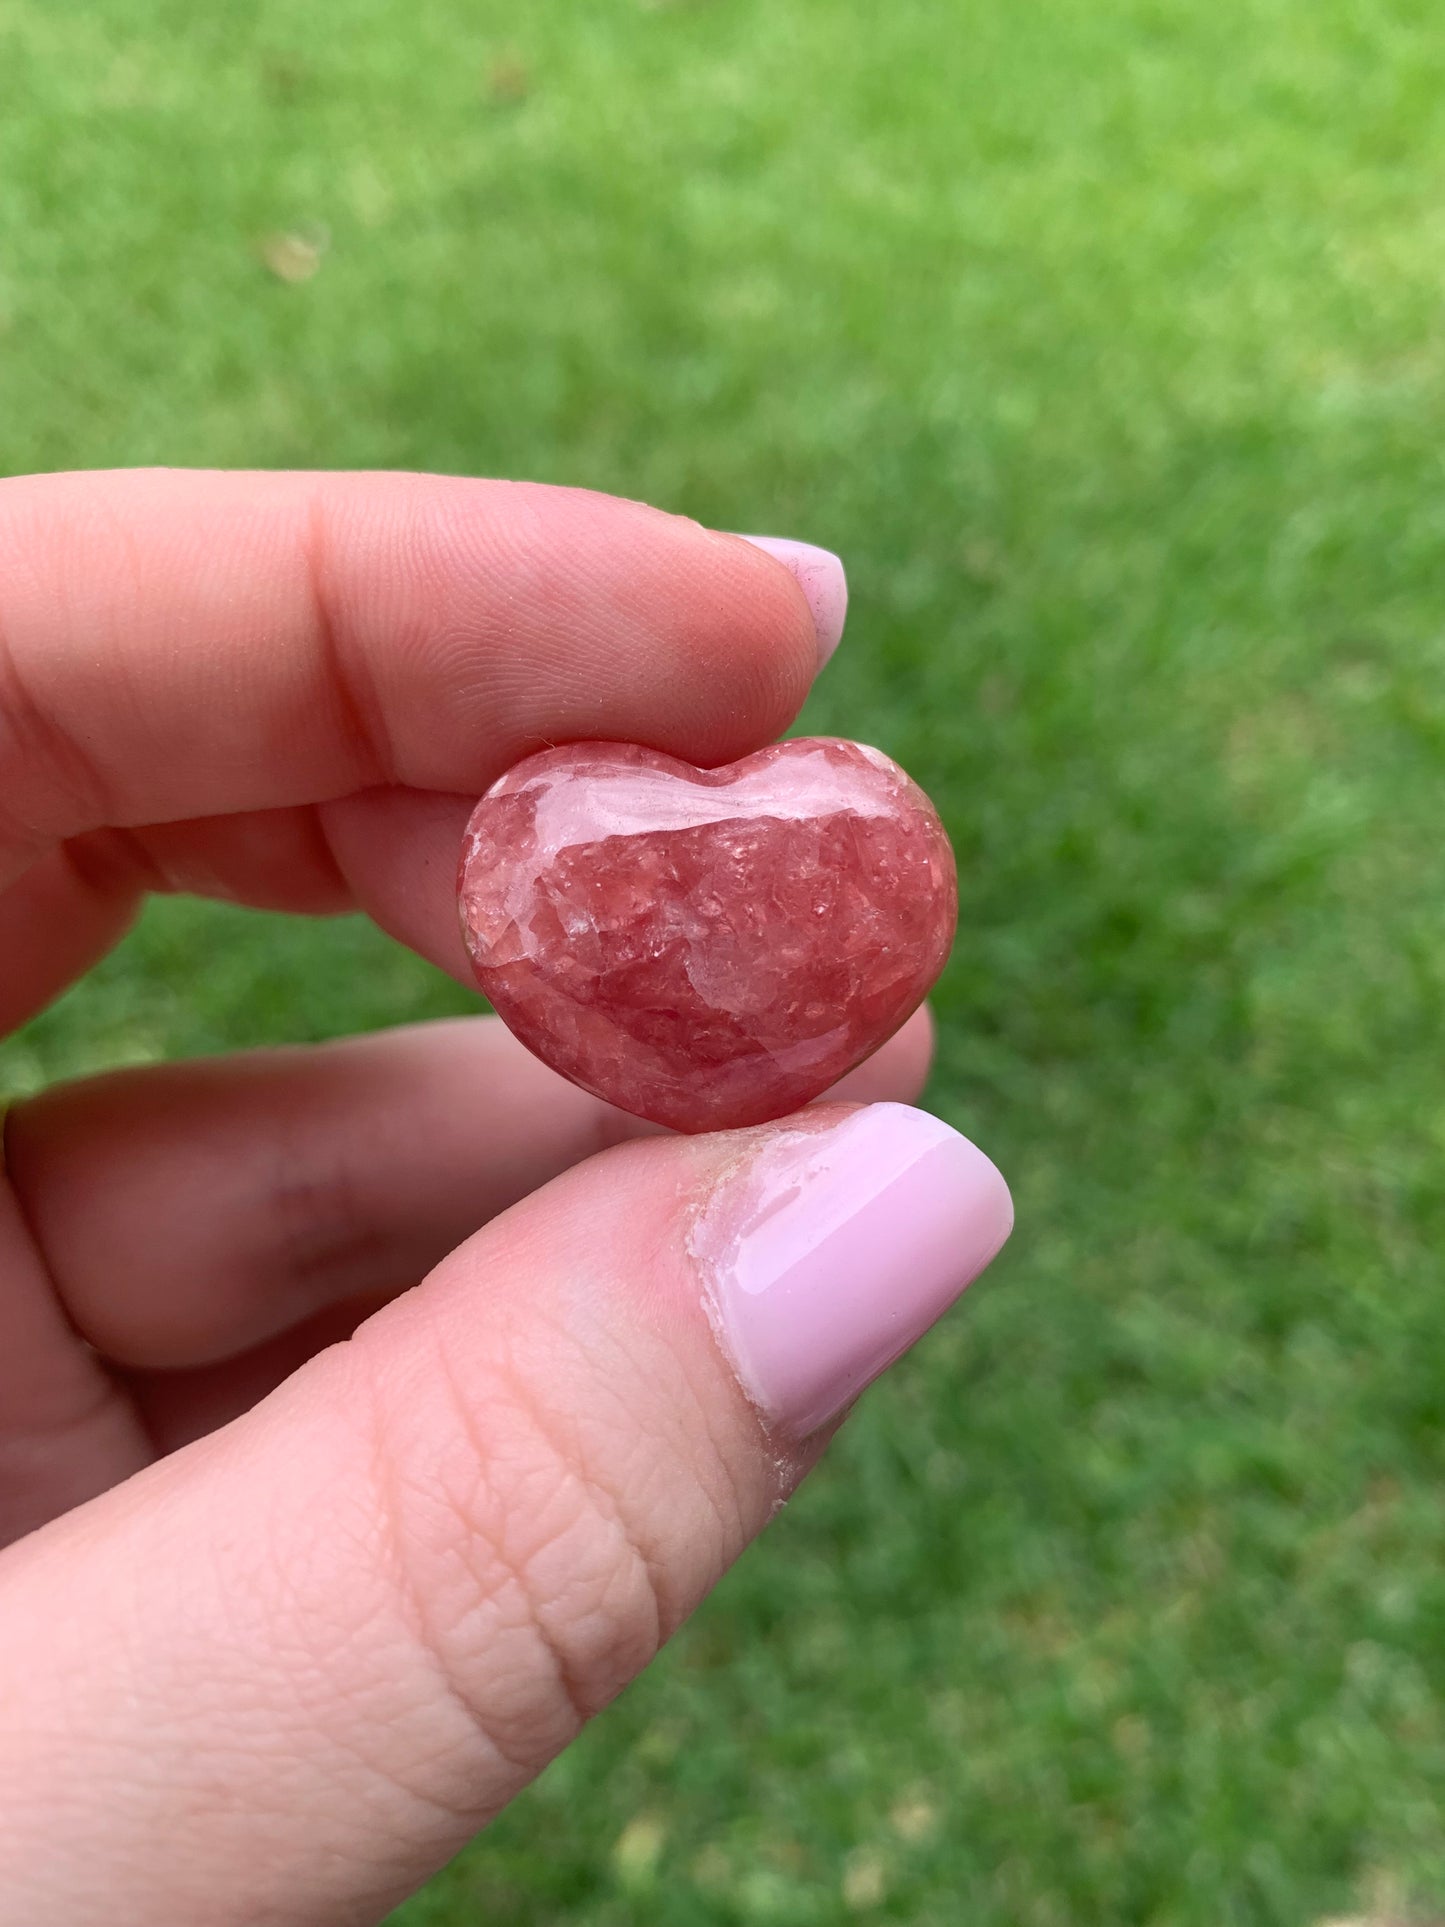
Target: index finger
176	644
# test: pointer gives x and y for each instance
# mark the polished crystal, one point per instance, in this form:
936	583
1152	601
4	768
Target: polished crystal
706	948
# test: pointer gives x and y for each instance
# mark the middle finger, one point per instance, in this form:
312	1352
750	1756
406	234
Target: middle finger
190	1212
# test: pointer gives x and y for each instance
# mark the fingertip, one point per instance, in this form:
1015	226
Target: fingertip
821	577
398	851
646	627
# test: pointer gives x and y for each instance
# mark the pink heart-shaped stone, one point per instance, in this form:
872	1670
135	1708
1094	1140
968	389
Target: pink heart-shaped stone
706	948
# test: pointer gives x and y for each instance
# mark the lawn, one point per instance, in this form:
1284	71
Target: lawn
1105	339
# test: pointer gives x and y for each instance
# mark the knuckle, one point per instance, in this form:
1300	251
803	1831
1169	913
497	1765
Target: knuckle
526	1542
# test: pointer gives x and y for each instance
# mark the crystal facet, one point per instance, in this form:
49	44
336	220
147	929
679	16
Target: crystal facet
706	948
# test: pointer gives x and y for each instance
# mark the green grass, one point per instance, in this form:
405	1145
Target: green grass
1104	338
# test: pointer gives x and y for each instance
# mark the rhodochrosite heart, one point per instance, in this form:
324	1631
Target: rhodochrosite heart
706	948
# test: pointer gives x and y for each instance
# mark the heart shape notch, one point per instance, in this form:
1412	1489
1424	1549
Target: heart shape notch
706	948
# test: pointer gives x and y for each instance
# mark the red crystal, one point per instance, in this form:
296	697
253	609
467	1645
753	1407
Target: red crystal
706	948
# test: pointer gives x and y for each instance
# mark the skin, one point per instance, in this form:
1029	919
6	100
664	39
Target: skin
283	1620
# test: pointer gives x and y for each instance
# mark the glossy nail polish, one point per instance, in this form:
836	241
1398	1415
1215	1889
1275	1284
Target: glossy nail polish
834	1243
821	577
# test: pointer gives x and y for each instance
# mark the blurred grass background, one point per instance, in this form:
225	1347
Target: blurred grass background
1105	340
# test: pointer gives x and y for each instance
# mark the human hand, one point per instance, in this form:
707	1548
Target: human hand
307	1614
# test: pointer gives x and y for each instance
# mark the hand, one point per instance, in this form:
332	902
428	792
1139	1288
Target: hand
280	1671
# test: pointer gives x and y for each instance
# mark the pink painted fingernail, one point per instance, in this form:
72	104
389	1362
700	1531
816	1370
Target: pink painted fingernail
833	1245
821	577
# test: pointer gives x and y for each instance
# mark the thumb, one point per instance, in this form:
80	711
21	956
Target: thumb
283	1675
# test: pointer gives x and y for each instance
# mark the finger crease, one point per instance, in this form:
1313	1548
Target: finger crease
409	1597
605	1505
103	1395
32	740
355	692
99	1392
562	1670
113	863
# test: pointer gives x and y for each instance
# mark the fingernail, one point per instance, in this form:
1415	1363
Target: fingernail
821	577
833	1246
